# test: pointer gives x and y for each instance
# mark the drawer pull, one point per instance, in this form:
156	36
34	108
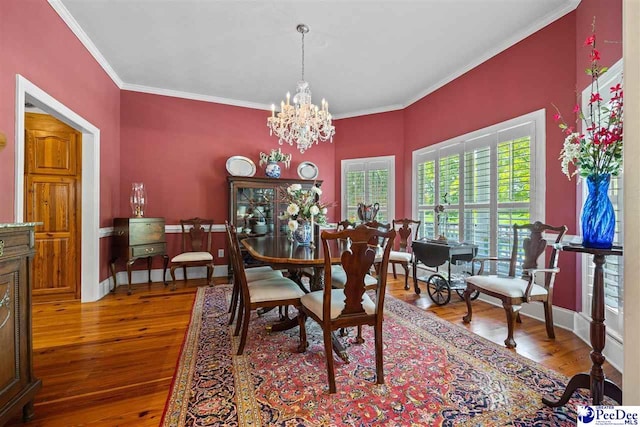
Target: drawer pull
147	250
1	247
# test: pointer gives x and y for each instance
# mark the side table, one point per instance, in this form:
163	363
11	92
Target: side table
595	380
136	238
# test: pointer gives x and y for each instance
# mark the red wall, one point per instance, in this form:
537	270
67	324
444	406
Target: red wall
37	44
372	136
179	149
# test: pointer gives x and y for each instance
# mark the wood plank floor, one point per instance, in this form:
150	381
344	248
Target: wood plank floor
111	362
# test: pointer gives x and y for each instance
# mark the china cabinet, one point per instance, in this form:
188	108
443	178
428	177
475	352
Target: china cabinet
256	207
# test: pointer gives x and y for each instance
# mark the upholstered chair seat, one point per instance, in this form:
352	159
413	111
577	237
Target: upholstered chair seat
313	302
192	256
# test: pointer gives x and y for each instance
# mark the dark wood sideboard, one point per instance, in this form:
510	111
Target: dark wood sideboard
135	238
18	385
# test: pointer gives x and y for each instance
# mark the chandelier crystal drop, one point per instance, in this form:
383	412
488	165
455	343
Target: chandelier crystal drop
299	121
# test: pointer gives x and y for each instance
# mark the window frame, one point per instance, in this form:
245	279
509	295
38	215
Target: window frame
614	317
461	143
366	161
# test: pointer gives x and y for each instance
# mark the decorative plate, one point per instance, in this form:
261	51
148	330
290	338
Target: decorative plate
241	166
307	170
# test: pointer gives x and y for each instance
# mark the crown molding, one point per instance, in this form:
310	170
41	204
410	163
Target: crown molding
385	109
73	25
194	96
507	43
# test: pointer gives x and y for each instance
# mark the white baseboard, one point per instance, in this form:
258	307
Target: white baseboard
141	276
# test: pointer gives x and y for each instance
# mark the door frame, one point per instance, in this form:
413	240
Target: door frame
90	179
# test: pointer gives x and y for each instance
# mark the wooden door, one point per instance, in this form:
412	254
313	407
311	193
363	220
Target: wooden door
52	197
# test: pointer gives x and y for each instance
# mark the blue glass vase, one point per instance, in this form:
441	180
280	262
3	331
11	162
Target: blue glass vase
598	216
302	234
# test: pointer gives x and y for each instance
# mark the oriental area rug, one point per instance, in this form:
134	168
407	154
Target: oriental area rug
436	374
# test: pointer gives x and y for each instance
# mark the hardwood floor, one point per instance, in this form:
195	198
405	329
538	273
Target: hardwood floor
111	362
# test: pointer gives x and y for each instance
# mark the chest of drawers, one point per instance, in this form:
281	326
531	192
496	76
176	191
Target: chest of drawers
18	385
135	238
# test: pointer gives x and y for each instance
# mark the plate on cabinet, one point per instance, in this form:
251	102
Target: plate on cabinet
241	166
307	170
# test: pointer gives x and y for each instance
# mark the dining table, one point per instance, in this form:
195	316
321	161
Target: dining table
283	254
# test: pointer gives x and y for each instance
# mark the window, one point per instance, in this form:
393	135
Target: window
613	271
487	181
368	181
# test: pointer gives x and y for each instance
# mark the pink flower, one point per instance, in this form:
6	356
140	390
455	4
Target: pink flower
590	41
576	109
556	116
594	55
595	97
616	88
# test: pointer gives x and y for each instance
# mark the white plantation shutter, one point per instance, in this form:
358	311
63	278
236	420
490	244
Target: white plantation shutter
368	180
490	182
613	268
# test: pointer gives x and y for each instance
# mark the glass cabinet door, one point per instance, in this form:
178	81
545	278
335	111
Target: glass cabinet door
255	208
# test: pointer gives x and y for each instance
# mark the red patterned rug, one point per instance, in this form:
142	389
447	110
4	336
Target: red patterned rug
436	373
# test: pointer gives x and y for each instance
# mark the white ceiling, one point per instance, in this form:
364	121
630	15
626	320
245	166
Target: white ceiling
363	56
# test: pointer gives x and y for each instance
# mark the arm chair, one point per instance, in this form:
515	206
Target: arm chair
195	248
535	284
405	228
264	293
349	306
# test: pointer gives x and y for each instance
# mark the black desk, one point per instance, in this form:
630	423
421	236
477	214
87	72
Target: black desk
595	380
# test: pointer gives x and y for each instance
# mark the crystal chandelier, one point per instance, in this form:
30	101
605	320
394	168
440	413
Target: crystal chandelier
301	122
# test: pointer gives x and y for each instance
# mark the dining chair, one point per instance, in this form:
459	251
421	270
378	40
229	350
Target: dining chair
253	274
405	228
266	293
534	283
338	275
335	308
195	248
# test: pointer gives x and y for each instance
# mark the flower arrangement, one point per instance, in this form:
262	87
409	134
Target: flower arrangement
275	156
303	204
599	149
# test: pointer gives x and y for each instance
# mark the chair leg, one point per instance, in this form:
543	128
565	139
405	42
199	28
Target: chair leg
233	305
548	319
302	324
406	275
511	322
173	277
359	339
518	318
467	299
241	309
184	271
393	268
245	331
379	358
209	274
328	349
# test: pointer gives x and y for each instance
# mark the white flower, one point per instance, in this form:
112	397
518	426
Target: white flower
292	224
314	210
316	190
324	211
293	209
570	152
293	188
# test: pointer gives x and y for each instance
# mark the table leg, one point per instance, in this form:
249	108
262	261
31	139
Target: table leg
129	264
112	265
595	380
149	259
415	277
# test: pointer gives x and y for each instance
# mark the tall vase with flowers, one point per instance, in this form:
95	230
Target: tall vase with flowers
596	153
303	210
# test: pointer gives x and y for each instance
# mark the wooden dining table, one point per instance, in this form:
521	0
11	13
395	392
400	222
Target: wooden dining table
281	254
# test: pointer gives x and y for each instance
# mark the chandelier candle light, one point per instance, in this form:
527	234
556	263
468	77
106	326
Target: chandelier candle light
302	122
